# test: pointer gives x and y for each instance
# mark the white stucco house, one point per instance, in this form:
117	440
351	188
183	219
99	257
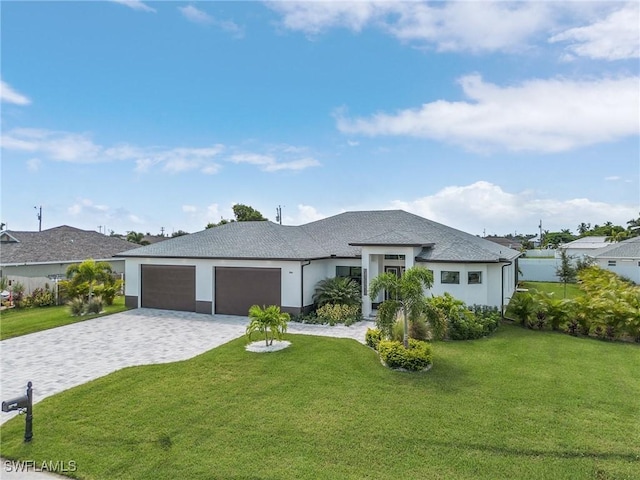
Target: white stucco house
226	269
622	258
583	247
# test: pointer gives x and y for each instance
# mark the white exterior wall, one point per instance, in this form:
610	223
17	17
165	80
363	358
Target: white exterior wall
629	268
319	270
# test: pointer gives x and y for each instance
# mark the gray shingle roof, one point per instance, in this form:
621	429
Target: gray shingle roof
341	236
626	249
61	244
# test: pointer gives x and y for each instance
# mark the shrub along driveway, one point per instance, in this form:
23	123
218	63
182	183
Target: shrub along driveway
61	358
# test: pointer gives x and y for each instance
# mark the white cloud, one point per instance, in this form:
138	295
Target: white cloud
549	115
136	5
195	15
270	163
483	206
34	164
451	26
9	95
615	37
80	148
304	214
613	178
252	159
189	208
296	165
86	205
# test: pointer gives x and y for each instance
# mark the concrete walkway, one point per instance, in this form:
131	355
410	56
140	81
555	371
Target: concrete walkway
64	357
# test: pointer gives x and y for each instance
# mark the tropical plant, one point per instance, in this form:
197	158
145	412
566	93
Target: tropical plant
137	238
17	290
95	305
91	272
406	292
523	306
566	272
76	306
337	290
339	313
108	290
268	321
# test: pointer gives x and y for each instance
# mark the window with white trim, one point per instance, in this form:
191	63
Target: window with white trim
611	263
474	278
449	277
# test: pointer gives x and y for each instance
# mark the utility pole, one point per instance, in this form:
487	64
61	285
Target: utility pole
540	227
162	231
39	210
279	214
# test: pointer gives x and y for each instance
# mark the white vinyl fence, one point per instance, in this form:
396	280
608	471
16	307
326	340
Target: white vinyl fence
538	269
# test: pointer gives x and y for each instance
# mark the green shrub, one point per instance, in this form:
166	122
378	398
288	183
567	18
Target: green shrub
337	290
417	357
76	306
108	291
397	332
42	297
311	318
339	313
418	330
17	294
95	305
373	337
465	323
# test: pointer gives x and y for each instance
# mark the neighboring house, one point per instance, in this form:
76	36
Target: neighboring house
582	247
506	242
227	269
36	258
622	258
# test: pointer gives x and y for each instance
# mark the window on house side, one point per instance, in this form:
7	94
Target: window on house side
474	277
611	263
449	277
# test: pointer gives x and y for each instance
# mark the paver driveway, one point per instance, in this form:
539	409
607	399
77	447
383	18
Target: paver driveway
64	357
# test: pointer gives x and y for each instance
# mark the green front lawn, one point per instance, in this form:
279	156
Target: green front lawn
556	288
15	322
521	404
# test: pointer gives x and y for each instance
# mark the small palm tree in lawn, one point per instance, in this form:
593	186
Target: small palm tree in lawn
405	292
91	272
269	321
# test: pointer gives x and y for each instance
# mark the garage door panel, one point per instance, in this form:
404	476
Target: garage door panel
238	288
169	287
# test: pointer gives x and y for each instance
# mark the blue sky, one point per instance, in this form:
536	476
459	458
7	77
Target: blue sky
484	116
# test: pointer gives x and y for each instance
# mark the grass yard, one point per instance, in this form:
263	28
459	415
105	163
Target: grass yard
556	288
16	322
519	405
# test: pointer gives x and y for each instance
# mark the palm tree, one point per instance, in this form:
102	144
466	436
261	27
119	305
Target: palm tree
337	290
91	272
136	237
406	293
269	321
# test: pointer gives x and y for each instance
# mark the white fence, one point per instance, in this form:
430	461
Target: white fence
538	269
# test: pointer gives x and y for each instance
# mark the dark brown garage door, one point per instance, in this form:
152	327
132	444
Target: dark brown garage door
239	288
169	287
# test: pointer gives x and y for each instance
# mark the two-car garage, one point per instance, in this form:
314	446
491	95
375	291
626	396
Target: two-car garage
235	289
